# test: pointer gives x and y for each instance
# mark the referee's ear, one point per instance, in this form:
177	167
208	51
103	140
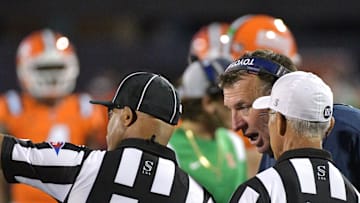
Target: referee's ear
127	116
281	123
332	123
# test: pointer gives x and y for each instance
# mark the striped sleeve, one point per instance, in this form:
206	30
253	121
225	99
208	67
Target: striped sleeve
252	191
197	193
51	167
264	187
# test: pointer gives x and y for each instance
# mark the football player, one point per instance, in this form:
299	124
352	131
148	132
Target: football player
47	109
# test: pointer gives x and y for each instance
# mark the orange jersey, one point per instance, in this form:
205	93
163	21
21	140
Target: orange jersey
73	120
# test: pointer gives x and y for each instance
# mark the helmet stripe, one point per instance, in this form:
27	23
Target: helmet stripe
48	38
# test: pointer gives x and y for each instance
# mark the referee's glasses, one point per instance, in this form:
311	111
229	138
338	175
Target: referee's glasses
271	112
110	110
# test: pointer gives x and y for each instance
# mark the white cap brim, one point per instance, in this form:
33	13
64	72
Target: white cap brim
262	103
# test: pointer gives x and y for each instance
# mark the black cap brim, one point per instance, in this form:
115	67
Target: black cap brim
104	103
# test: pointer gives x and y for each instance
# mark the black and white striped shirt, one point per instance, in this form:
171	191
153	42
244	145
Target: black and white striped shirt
301	175
138	171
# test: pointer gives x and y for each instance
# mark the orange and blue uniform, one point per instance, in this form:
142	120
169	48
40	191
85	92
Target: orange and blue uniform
72	119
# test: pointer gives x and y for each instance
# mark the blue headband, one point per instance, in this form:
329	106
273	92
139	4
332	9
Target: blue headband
255	65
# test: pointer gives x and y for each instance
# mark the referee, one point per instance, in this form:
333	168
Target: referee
300	115
137	167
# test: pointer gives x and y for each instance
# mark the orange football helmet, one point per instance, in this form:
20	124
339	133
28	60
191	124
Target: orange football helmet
47	65
251	32
207	43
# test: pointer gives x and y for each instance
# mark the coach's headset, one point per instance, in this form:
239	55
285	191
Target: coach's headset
257	65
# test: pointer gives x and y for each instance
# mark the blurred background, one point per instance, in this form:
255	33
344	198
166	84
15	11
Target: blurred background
113	38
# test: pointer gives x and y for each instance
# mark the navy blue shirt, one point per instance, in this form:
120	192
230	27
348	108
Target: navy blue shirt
343	143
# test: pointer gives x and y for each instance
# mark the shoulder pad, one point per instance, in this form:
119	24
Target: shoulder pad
14	102
86	108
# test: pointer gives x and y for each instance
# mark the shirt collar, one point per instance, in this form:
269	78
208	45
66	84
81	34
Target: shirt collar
149	146
305	153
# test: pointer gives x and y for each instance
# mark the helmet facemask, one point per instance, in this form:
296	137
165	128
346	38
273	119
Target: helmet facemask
49	73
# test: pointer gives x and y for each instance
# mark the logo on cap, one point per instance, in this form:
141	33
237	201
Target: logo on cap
276	102
327	112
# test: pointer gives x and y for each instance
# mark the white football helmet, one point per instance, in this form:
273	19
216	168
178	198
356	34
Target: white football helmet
207	43
47	65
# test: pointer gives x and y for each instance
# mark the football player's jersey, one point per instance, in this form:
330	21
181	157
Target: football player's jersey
73	119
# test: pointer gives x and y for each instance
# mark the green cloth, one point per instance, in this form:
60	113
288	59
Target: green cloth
231	164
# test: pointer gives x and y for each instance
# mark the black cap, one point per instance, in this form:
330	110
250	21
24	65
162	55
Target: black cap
149	93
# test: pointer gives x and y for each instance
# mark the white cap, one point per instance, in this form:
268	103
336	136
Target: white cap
199	76
300	95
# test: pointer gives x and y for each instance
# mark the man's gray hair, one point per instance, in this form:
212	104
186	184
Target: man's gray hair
309	129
